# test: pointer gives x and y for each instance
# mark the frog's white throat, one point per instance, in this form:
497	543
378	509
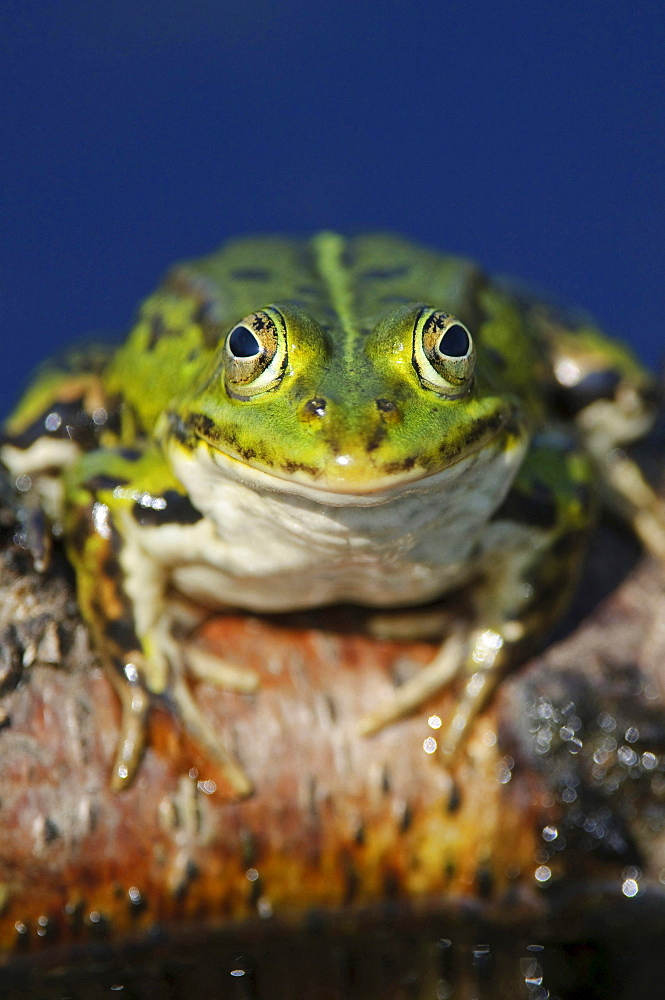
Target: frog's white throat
284	546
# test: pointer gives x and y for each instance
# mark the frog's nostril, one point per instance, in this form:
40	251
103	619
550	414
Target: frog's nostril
315	407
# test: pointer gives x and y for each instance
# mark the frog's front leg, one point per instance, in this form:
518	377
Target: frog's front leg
529	555
127	522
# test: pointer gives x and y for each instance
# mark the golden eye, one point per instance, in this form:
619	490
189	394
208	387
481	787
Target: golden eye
443	353
255	353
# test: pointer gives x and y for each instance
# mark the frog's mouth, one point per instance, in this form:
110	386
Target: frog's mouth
351	477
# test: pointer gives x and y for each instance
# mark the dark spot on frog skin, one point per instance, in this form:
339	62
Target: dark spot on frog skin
111	569
384	274
203	425
376	439
104	482
391	468
569	543
485	428
291	467
121	632
596	385
180	430
250	274
178	510
537	509
61	420
205	313
348	257
496	358
385	406
583	494
157	331
130	454
80	531
395	300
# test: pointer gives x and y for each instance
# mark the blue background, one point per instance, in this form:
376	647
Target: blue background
138	132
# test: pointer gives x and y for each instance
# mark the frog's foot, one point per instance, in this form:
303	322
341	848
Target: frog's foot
425	684
478	657
135	702
412	624
482	668
207	737
159	672
214	669
638	502
169	680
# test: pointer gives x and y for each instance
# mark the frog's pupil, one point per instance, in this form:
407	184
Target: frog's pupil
455	342
243	343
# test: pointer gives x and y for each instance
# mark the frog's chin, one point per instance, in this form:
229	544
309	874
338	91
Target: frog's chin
342	485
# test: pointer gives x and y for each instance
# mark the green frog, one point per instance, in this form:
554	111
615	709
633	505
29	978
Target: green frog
293	423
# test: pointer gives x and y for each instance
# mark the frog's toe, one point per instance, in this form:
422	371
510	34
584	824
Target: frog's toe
207	738
426	683
209	667
135	707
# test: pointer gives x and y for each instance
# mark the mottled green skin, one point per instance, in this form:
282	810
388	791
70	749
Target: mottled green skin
348	412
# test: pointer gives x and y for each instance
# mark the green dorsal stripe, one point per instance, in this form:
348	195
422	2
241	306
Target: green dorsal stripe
329	249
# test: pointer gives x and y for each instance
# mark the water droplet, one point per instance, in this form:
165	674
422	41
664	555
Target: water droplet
429	744
630	888
53	422
550	833
607	722
208	787
434	722
543	874
627	756
251	874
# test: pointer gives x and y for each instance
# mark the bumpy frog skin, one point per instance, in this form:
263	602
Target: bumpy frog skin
293	423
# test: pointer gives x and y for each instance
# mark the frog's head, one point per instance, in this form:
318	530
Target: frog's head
348	409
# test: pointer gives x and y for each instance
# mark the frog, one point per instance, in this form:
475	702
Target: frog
293	423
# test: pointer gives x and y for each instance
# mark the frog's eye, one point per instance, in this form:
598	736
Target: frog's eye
255	353
443	353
